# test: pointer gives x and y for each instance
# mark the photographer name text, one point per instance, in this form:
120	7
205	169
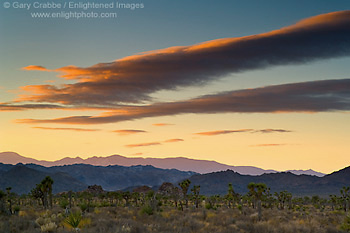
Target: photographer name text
75	5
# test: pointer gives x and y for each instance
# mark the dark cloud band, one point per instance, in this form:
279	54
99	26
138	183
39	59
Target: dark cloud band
315	96
133	79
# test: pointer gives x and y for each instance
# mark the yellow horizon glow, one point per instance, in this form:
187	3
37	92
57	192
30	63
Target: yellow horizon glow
308	146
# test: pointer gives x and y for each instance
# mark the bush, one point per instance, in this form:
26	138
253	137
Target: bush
346	224
83	206
147	210
63	203
73	219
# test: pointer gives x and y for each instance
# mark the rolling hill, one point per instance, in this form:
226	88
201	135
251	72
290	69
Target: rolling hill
23	178
298	185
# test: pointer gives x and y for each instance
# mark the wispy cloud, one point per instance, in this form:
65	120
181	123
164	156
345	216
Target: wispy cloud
144	144
68	129
174	140
155	143
37	68
272	131
137	154
219	132
15	106
268	145
311	97
128	131
20	107
133	79
162	124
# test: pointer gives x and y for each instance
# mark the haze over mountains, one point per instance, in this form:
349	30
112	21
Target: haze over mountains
179	163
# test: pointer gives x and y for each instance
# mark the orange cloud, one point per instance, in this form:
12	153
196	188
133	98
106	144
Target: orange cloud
138	153
128	131
144	144
69	129
135	78
174	140
38	68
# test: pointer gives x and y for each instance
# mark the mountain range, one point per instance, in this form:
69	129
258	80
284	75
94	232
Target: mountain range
298	185
22	178
179	163
22	174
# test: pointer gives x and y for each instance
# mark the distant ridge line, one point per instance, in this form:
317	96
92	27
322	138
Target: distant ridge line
179	163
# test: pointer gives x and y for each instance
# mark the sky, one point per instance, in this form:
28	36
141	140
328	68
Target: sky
245	83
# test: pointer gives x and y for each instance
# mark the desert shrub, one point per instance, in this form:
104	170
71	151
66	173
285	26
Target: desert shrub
147	209
49	227
73	220
63	203
345	226
210	206
83	206
18	224
135	219
120	221
16	209
49	221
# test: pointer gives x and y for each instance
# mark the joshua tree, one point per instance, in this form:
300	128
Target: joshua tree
333	201
36	193
49	182
153	200
46	188
126	197
269	198
283	197
2	202
256	191
43	191
110	196
252	193
9	198
136	197
176	195
195	190
345	196
231	196
213	202
115	197
87	197
184	187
